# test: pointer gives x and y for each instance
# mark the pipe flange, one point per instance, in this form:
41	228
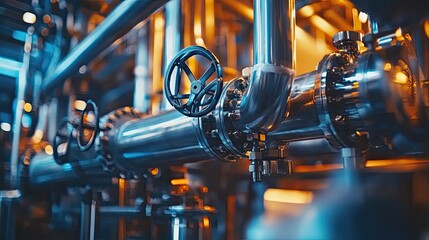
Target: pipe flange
109	125
222	130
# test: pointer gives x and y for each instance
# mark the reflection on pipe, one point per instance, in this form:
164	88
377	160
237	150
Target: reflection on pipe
264	104
45	172
19	104
173	38
142	74
156	140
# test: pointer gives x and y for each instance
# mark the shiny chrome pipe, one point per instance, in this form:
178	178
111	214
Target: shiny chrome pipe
21	86
157	140
303	122
173	38
129	143
374	102
45	172
125	16
264	104
142	73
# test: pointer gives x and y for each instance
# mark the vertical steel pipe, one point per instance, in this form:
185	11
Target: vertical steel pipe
274	32
19	104
142	73
264	104
173	38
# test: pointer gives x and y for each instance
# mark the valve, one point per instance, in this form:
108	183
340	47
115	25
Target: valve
61	142
347	40
204	94
88	127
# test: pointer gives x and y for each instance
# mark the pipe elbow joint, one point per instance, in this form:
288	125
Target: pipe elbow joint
264	104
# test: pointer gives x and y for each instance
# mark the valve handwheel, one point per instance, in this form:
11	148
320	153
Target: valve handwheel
88	127
62	140
204	94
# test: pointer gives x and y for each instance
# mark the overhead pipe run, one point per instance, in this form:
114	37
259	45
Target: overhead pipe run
121	20
264	104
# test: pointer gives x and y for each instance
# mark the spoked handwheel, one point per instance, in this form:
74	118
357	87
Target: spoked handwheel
204	92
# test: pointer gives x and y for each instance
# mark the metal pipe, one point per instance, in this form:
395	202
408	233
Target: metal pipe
119	212
303	122
173	38
85	214
44	172
122	19
9	203
274	32
264	104
143	78
19	103
157	140
131	144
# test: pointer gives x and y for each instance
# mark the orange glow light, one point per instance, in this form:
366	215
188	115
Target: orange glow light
38	135
400	78
323	25
288	196
306	11
28	107
154	171
426	26
49	150
79	105
387	67
206	222
179	181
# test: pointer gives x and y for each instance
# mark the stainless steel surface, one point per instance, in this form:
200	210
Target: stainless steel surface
352	159
312	149
142	76
274	33
343	36
364	101
167	138
44	172
159	170
9	202
120	21
264	104
85	215
22	82
302	122
228	126
173	37
118	211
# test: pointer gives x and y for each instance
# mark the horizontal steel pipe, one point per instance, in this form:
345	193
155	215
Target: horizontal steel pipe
122	19
44	172
303	122
162	139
